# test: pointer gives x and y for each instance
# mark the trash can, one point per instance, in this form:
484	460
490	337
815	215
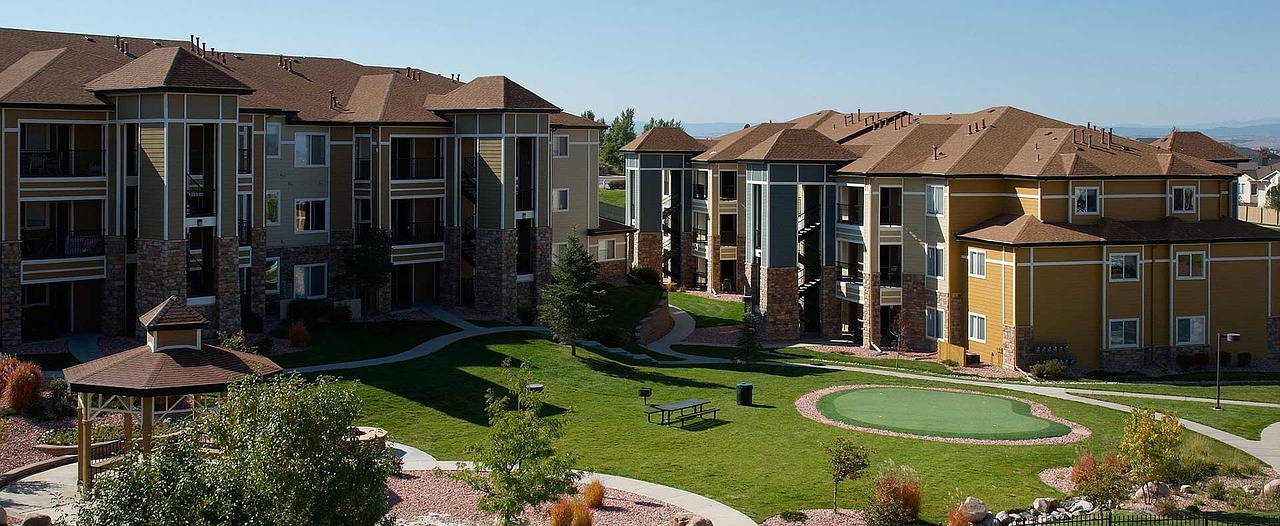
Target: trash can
744	393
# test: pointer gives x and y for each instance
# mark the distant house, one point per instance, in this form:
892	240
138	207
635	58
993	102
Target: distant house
1254	184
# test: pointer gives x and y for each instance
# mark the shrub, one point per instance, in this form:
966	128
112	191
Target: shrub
1167	507
1243	359
950	363
527	314
305	310
231	341
1238	465
581	513
299	336
263	345
1224	359
617	184
611	336
646	275
797	516
1184	361
1201	359
562	512
22	383
848	462
593	495
7	363
63	402
1100	482
341	313
252	322
1216	489
956	518
1197	462
896	499
1152	447
1051	370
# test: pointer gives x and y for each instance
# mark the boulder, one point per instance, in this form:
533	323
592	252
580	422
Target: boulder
1151	491
1271	488
1186	489
689	519
989	520
1082	507
1002	517
37	519
1252	490
1044	505
973	509
4	516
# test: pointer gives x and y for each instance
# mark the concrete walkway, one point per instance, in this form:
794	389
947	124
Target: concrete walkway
423	349
84	347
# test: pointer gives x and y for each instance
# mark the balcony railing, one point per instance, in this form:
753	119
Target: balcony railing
890	278
244	161
202	201
699	235
848	214
244	230
62	163
524	199
418	232
728	238
699	191
418	168
364	168
43	243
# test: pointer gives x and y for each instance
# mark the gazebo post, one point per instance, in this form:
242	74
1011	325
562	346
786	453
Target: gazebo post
148	407
128	424
84	446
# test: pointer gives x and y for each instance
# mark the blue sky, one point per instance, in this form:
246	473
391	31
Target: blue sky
1167	62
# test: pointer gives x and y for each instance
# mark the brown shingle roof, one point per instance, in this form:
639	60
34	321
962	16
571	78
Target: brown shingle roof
665	140
730	146
798	145
569	120
841	126
168	68
1199	145
26	67
1009	229
490	93
143	372
609	226
173	313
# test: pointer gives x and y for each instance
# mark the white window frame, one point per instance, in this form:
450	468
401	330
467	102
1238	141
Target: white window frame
1137	333
1174	205
266	143
301	138
557	203
556	249
1137	267
973	316
240	129
602	253
299	201
266	217
1097	201
556	152
976	255
937	326
1177	330
35	286
275	290
935	204
301	271
937	254
1204	261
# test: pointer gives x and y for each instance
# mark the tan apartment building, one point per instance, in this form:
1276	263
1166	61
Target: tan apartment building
1000	236
134	169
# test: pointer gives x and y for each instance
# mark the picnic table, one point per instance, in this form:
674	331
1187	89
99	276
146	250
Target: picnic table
681	411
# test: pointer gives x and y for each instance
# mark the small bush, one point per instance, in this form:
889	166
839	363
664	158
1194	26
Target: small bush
7	363
1184	361
306	311
593	495
22	384
562	512
263	345
581	513
646	275
950	363
1166	507
1216	489
1201	360
1054	369
956	518
1244	359
896	499
527	314
299	336
63	402
1238	465
611	336
1100	482
617	184
231	341
341	313
1224	359
1239	499
794	516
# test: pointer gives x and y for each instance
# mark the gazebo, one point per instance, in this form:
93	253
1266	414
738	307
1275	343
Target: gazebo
175	373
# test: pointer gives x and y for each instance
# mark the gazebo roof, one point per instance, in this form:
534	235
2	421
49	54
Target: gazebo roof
174	314
169	372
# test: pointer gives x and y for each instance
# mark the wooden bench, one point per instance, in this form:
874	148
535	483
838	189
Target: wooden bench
697	414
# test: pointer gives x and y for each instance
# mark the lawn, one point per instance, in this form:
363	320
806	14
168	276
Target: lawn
345	342
625	307
889	361
1239	420
1249	393
762	459
707	312
51	362
613	197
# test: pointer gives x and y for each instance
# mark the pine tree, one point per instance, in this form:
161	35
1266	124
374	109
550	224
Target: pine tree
748	339
662	123
570	304
620	132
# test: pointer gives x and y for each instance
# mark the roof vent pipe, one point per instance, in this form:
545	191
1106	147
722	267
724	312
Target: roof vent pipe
935	152
859	113
984	123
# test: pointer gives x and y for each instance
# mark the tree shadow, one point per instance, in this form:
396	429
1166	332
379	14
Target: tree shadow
626	372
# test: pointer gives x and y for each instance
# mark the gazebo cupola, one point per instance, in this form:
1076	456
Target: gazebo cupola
173	325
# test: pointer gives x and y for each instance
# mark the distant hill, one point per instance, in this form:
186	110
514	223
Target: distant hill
1262	133
706	130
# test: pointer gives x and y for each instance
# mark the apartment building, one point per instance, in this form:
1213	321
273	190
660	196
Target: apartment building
1000	236
135	169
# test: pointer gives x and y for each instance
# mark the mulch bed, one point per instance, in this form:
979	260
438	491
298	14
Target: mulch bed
824	517
18	448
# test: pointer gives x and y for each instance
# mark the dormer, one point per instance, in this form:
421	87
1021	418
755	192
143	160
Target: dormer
173	325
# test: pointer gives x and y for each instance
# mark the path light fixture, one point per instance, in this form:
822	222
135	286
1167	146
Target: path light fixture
535	388
645	393
1217	377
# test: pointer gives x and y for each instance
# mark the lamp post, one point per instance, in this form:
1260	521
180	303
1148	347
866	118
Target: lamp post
1217	378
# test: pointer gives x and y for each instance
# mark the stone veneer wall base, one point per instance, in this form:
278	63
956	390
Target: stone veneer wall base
161	272
114	293
495	281
780	304
11	294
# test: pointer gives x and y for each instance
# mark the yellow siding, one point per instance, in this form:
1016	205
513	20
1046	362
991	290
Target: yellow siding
151	182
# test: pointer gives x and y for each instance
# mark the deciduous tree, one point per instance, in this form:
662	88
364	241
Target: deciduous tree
621	131
1152	446
848	462
367	266
662	123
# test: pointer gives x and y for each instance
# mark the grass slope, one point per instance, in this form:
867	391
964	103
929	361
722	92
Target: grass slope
707	312
938	413
1248	393
344	342
1239	420
613	197
626	307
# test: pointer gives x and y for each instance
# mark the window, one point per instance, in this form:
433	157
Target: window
934	327
934	200
1184	199
728	185
560	145
891	205
310	281
1087	200
35	214
273	140
1124	267
1191	265
978	263
1190	330
309	215
607	249
1122	333
556	249
244	149
310	149
977	327
272	276
934	264
35	295
666	183
273	207
560	199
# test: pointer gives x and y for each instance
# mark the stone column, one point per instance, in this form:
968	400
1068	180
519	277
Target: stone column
227	284
339	242
713	262
649	250
957	318
780	303
495	281
161	272
451	268
11	294
830	303
914	298
1273	336
542	259
871	309
258	275
688	263
113	287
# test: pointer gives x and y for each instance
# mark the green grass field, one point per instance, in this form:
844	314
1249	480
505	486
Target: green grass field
1248	393
762	459
345	342
707	312
936	413
613	197
1239	420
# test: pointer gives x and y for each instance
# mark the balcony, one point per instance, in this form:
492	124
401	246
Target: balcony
62	163
417	168
729	192
417	233
890	278
700	191
849	214
524	199
43	243
244	231
244	161
728	238
364	169
202	200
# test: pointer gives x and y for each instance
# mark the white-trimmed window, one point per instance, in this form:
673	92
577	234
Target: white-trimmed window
977	327
35	295
1190	265
310	215
1124	267
1122	333
272	212
606	250
272	148
556	249
934	324
311	281
1190	330
977	263
310	150
935	202
560	146
1184	199
666	183
560	199
35	214
934	262
272	276
1087	200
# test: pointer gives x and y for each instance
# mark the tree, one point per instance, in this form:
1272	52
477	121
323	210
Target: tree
591	115
523	467
748	339
662	123
898	329
285	458
571	302
367	266
1151	446
620	132
848	462
1273	198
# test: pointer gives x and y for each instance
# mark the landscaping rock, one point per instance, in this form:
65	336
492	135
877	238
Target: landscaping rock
1186	489
1271	488
37	519
689	519
1002	517
973	509
989	520
1152	490
4	517
1082	507
1252	490
1044	505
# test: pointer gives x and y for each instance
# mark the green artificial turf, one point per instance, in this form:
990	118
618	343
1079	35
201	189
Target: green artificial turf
944	414
613	197
345	342
707	312
761	459
1240	420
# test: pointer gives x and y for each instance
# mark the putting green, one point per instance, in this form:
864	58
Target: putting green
934	413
